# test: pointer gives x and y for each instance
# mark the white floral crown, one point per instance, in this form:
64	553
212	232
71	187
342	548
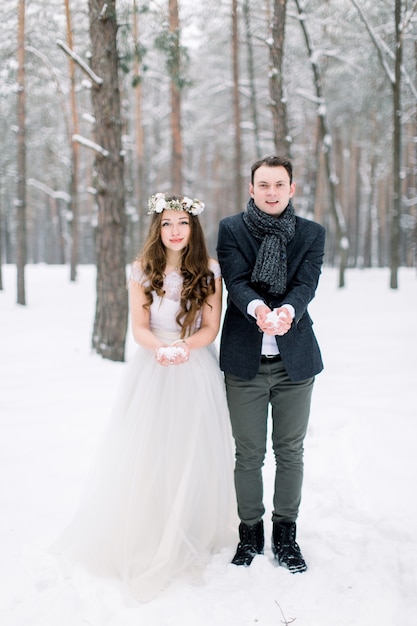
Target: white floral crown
158	203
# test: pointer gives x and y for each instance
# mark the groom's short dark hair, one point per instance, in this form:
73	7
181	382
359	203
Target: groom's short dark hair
272	161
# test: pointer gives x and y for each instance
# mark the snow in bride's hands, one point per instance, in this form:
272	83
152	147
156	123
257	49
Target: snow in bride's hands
170	353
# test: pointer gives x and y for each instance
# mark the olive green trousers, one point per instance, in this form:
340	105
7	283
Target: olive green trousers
250	402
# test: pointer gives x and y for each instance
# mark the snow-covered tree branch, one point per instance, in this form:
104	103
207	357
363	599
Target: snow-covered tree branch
86	68
90	144
52	193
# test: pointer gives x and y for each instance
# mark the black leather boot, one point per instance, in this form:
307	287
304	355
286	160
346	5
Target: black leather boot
286	551
251	543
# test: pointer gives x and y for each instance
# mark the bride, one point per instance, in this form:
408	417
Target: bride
161	497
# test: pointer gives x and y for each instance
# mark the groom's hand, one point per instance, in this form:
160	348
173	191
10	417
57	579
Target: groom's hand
276	322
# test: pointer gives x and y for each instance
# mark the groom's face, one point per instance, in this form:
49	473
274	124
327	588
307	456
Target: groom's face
271	189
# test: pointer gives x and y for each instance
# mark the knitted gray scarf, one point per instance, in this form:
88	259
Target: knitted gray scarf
274	232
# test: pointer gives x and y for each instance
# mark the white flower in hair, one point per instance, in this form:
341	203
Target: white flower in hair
196	208
159	203
187	203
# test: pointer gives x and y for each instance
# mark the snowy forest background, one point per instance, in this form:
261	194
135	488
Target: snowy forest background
203	89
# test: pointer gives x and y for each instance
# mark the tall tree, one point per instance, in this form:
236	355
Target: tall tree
397	145
276	79
140	178
402	20
21	157
75	236
251	78
176	86
111	307
236	108
326	143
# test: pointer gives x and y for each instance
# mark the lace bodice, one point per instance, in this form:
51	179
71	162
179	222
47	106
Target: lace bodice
173	285
164	310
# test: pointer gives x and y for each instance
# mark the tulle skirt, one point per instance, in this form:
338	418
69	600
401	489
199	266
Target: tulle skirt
160	499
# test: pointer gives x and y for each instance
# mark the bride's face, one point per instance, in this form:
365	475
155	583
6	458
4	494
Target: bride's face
175	229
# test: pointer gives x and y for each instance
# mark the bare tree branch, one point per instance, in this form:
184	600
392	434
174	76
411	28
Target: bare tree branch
377	43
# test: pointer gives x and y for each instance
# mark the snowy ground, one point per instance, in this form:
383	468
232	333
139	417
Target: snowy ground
359	511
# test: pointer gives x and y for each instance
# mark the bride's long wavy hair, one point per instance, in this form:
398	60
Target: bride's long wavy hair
198	279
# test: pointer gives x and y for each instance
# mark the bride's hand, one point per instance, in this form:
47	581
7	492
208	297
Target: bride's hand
181	352
176	354
161	356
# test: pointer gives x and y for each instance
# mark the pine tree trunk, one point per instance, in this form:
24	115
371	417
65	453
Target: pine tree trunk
112	306
75	154
140	186
326	142
21	251
251	78
236	108
396	204
276	81
174	27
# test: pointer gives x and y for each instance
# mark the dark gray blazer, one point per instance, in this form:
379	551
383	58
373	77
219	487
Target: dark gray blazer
241	339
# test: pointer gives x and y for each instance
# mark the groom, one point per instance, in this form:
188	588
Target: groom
271	262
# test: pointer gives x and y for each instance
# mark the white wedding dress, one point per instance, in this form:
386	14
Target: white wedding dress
161	498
